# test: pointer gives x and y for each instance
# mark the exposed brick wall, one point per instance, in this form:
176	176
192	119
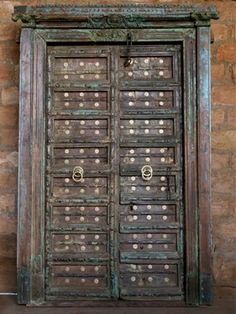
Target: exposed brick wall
223	136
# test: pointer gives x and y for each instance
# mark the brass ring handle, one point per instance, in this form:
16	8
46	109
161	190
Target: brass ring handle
146	172
78	174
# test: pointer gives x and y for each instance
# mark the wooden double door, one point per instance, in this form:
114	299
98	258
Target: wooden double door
114	221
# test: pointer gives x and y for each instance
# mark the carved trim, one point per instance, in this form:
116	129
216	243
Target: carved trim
99	16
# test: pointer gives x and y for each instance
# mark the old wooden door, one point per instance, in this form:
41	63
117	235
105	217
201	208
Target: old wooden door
114	144
114	223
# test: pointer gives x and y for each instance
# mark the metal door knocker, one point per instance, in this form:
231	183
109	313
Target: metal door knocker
146	172
78	174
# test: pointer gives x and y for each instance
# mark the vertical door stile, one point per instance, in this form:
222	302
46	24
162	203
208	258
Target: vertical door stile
114	217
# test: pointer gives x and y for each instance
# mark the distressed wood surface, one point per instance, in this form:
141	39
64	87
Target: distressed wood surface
114	235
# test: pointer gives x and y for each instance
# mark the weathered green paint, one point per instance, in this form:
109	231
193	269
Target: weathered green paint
186	26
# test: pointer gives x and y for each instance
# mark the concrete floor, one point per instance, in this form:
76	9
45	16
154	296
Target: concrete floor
225	305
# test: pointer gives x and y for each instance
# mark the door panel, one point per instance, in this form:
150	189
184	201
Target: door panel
113	230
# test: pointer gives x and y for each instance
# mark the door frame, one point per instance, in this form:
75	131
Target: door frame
187	25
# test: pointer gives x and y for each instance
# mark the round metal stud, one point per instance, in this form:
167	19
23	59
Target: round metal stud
166	267
148	188
66	94
67	237
161	61
82	268
67	209
66	104
163	188
135	246
146	131
135	207
67	151
146	94
67	280
67	180
149	246
133	278
67	132
147	103
66	77
82	237
149	236
150	279
161	122
67	268
83	248
164	217
96	281
149	266
161	73
97	122
97	132
66	161
131	103
82	218
161	103
161	131
149	217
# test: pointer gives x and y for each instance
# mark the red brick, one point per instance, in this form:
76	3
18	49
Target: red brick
220	31
7	74
224	95
9	52
227	52
220	161
8	274
227	11
231	117
218	117
9	31
220	208
224	139
10	95
7	225
8	245
8	203
9	116
217	72
9	137
222	184
224	268
8	180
